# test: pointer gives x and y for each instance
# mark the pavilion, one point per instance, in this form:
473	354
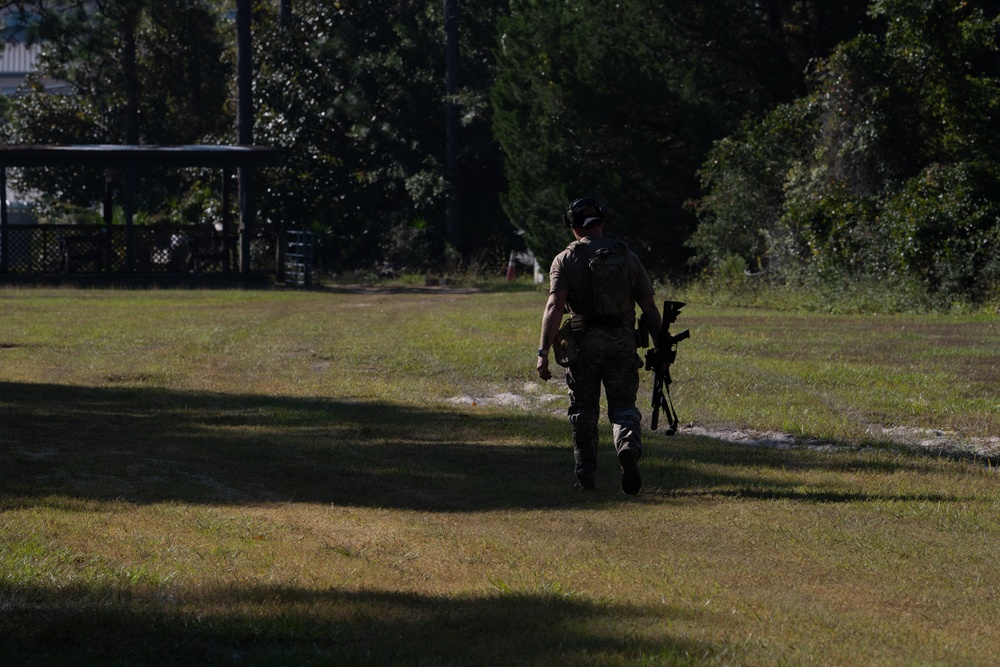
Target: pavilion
129	249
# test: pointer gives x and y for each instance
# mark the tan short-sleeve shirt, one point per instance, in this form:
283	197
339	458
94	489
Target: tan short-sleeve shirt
569	272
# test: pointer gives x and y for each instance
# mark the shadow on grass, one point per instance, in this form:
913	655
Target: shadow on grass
703	466
272	625
148	445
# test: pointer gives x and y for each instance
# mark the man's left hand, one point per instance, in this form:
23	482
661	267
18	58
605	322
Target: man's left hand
543	368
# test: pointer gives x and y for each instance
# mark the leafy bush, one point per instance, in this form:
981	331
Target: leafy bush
945	227
884	178
745	178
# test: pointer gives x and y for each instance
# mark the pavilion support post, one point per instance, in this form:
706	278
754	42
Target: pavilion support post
112	178
130	178
245	177
244	126
281	235
4	232
225	221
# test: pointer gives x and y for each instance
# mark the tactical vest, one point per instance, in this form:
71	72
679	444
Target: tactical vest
608	278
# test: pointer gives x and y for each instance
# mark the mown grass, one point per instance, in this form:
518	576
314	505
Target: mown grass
366	477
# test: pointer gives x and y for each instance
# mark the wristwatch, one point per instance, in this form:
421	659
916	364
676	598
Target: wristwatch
542	352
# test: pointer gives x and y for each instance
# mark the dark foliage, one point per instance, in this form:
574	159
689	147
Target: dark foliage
886	172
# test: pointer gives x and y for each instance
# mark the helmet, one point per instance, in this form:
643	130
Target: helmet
584	212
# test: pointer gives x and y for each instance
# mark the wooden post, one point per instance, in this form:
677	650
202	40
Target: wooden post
453	210
244	126
225	220
110	176
130	183
4	233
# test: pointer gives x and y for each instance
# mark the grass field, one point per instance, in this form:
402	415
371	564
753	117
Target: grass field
365	476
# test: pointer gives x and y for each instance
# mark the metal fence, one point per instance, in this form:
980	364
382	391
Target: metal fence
141	249
299	257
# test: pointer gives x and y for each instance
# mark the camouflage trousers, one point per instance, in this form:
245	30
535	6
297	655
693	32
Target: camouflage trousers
607	356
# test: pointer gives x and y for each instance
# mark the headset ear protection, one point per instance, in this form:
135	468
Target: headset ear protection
583	212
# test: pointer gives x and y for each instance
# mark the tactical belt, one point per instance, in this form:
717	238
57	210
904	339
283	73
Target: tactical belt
604	320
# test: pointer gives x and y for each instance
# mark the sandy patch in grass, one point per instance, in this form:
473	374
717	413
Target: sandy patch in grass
532	396
922	439
933	441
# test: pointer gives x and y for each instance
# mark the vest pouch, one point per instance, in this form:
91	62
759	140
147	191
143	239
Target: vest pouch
611	288
564	348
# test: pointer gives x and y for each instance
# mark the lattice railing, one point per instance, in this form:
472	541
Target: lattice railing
91	249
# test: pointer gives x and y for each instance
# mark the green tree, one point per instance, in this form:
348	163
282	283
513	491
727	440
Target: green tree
587	103
139	71
184	73
945	231
745	176
855	194
621	100
356	92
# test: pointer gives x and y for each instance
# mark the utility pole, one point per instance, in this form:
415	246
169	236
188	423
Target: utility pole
453	210
244	125
130	66
244	74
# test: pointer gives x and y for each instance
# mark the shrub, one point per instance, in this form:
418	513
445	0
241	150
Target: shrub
945	228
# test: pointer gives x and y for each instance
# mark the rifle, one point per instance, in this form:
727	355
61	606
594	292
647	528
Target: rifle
666	351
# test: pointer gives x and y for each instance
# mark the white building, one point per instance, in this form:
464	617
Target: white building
16	62
17	59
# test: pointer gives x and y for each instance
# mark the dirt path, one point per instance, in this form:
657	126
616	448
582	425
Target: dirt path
535	397
927	440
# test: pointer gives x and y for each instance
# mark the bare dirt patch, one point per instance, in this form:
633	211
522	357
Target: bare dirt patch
932	441
532	396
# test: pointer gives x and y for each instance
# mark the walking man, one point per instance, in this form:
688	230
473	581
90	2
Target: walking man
599	282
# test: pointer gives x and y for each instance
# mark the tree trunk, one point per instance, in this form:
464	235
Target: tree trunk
131	78
454	205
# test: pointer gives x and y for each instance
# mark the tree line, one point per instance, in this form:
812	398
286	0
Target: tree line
807	142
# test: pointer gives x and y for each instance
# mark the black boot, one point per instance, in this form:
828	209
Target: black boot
631	480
